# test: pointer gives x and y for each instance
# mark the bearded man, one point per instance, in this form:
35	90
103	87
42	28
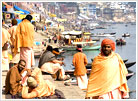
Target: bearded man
107	79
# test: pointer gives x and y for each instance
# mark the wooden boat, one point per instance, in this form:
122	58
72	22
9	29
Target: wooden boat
120	41
103	35
111	33
126	35
125	60
100	27
37	54
85	48
95	39
71	73
129	64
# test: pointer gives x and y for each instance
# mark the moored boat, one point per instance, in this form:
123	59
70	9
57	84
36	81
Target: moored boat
120	41
85	48
126	35
125	60
129	64
103	35
71	73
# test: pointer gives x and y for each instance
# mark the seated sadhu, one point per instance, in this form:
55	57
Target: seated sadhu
36	86
50	64
107	79
14	78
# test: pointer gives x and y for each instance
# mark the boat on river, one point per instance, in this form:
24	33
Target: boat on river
85	46
120	41
125	60
103	35
71	73
128	64
126	35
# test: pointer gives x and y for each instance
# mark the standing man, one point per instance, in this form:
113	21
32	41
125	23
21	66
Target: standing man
14	79
12	31
80	61
5	40
108	76
25	40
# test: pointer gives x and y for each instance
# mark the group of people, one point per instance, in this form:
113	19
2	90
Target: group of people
21	39
27	83
107	79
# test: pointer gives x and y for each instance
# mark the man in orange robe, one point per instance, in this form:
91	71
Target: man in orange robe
12	31
107	79
80	61
25	40
37	86
14	78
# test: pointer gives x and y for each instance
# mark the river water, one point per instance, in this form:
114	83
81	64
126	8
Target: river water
127	51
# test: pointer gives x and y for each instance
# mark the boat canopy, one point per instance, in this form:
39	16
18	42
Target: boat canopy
19	9
72	32
18	12
65	32
75	43
87	33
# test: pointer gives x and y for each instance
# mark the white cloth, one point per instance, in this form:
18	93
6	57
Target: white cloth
82	81
52	68
5	60
27	54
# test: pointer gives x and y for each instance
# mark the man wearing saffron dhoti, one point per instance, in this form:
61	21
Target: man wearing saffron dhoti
80	61
25	40
107	79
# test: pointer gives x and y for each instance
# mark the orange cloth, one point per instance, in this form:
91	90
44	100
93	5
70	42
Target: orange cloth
109	42
25	34
108	73
38	74
44	88
80	61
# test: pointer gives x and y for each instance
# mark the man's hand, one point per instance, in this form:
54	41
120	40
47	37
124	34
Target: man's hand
63	63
